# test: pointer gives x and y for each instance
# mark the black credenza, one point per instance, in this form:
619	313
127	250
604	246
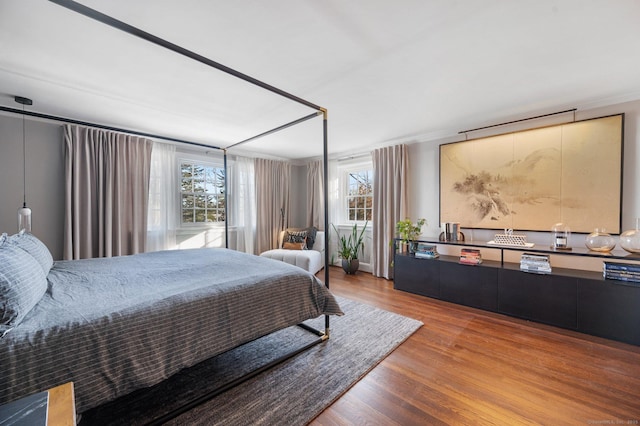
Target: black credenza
573	299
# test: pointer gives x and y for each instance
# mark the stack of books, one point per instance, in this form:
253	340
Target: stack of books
470	256
426	251
621	271
537	263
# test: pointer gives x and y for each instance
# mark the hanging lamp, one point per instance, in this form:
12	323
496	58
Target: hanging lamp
24	213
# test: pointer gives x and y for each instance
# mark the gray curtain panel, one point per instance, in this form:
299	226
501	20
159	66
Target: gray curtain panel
106	195
272	201
390	177
315	194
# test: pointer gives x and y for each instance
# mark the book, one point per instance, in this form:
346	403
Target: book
470	256
470	252
535	257
621	271
427	255
536	263
631	280
635	275
426	251
613	266
623	275
535	269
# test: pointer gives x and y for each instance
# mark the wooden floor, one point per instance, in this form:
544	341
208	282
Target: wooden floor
467	366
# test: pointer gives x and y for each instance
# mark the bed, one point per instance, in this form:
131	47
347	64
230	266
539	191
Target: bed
119	324
115	325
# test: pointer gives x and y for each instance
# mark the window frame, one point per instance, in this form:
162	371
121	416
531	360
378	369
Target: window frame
345	170
206	163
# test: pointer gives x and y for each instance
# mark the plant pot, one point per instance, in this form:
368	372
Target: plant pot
350	266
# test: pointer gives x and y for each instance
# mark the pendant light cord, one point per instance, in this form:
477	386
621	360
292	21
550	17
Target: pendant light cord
24	162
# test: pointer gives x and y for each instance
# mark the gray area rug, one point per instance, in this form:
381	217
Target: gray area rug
291	393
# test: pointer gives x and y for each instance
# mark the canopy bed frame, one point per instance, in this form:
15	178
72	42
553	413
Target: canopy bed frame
318	111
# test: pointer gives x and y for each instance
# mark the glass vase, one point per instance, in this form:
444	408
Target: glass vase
599	240
630	240
560	234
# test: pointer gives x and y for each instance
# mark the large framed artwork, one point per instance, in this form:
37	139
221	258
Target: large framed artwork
532	179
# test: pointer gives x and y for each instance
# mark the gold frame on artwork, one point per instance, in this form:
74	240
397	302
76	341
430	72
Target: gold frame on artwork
531	179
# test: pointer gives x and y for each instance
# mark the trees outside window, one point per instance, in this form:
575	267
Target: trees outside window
360	195
202	197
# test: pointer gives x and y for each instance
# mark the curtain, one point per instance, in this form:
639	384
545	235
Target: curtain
106	192
315	194
272	182
163	199
242	205
390	177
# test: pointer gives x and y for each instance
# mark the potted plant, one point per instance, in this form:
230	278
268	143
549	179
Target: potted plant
349	246
409	232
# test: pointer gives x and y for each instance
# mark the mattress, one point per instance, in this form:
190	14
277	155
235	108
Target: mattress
115	325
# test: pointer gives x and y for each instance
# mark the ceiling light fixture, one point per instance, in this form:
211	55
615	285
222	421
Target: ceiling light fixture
24	213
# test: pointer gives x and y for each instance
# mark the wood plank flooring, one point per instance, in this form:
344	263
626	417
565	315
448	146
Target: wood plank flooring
470	367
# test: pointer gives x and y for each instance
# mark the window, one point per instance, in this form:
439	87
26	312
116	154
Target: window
202	194
360	195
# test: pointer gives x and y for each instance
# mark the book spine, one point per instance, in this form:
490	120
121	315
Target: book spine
427	255
622	271
536	270
622	274
621	267
625	279
538	257
469	262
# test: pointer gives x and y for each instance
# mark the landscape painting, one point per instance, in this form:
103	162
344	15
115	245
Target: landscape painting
533	179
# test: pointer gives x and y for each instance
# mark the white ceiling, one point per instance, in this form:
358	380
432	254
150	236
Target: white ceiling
387	71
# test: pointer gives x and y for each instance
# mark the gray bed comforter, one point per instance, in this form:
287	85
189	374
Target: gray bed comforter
115	325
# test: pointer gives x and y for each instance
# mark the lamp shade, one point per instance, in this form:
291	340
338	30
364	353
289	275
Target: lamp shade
24	219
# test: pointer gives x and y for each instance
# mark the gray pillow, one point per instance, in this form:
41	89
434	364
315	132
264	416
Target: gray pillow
22	285
36	248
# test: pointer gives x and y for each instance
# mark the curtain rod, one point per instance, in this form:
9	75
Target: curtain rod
112	22
517	121
101	126
354	156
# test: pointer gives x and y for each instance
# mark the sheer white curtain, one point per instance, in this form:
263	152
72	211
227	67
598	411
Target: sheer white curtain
242	205
272	180
315	194
106	192
390	178
163	199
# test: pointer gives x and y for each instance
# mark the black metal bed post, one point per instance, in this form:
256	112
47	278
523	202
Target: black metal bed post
226	202
325	190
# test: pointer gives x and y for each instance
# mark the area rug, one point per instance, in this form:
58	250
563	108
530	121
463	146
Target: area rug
291	393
